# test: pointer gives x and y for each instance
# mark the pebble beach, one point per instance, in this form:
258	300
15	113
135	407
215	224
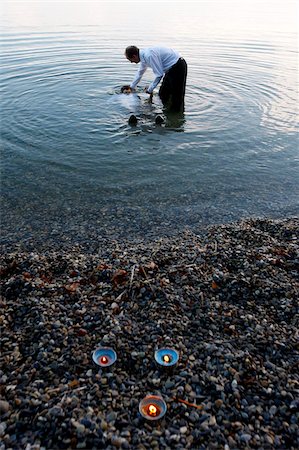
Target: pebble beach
225	298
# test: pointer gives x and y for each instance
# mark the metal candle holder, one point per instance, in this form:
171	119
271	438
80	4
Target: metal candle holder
166	357
152	407
104	356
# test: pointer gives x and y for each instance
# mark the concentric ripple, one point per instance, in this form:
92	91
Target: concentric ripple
67	146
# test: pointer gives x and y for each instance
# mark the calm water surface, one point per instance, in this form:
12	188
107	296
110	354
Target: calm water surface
70	161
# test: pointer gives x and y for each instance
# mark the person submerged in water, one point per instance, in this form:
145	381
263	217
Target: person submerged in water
133	120
126	89
166	64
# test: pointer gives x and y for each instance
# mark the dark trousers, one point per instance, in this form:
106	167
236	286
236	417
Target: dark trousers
172	90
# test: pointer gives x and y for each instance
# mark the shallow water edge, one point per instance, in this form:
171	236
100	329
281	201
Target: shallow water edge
135	225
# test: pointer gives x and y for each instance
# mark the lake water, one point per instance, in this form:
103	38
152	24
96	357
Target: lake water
73	168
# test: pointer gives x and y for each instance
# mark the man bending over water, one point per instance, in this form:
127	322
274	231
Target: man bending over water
165	63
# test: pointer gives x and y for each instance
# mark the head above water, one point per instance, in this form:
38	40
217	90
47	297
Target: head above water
132	54
126	89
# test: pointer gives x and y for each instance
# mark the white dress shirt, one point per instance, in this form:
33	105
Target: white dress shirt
159	59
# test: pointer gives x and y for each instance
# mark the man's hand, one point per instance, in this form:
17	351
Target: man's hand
150	100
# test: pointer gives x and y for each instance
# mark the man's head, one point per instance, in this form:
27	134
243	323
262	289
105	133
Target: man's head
132	54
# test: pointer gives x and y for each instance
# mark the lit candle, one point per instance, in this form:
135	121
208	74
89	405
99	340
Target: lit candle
167	357
152	407
104	360
152	410
104	356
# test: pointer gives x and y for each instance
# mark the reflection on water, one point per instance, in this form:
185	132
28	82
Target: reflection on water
70	159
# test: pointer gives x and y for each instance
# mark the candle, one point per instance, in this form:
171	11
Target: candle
104	356
153	410
166	357
104	360
152	407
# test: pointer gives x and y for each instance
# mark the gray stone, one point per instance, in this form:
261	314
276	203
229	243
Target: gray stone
4	406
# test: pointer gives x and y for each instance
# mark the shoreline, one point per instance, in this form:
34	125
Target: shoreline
226	299
89	232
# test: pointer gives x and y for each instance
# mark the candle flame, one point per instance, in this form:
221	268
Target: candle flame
166	358
152	410
104	360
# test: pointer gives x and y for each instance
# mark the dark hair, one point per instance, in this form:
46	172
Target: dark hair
131	51
125	88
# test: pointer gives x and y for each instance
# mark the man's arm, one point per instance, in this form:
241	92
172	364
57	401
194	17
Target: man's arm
156	65
138	75
154	84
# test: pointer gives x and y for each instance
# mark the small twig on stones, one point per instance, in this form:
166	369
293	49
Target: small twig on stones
132	276
120	295
146	277
193	405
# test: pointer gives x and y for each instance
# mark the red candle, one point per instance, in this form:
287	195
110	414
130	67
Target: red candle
104	360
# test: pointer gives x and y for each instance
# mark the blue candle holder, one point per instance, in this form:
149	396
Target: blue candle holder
104	356
152	407
166	357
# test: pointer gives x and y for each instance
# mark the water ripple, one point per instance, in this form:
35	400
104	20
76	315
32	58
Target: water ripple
65	123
